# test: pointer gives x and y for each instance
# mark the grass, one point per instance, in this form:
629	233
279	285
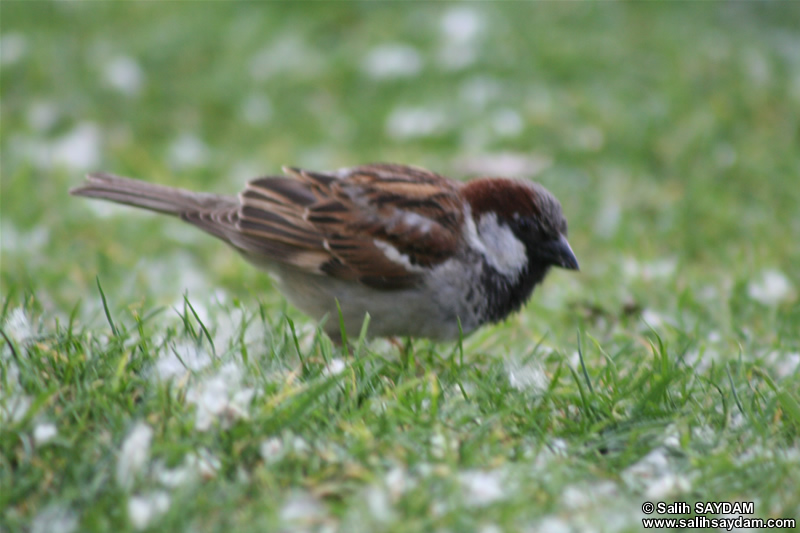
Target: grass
150	380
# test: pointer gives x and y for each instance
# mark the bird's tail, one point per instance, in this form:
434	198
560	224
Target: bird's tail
168	200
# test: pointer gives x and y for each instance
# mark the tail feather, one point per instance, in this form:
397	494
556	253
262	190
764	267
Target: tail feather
167	200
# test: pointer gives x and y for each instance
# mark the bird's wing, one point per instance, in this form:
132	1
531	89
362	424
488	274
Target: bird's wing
381	224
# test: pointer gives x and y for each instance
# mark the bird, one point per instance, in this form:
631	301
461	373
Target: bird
425	255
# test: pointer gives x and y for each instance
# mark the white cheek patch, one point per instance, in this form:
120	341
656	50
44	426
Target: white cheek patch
501	247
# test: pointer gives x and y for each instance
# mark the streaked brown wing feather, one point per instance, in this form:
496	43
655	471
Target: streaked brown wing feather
339	217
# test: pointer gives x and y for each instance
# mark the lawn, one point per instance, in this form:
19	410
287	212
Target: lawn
152	380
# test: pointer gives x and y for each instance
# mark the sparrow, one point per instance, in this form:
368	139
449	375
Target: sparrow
425	255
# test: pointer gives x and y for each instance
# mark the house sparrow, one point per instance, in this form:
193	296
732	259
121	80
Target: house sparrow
417	251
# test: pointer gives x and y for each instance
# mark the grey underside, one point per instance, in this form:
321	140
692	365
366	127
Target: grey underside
415	312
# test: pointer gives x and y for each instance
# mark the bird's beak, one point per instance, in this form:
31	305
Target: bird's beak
560	253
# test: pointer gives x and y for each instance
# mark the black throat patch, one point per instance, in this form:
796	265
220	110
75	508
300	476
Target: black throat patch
506	295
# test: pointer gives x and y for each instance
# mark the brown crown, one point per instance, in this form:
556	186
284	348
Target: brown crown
502	196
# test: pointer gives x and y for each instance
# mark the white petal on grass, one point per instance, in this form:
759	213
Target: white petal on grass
228	328
393	60
654	319
12	48
672	437
55	518
206	463
438	445
378	503
300	507
144	509
785	364
653	465
772	287
125	75
299	445
173	477
42	115
44	432
18	326
528	375
220	398
667	486
134	454
188	151
397	482
507	123
335	367
79	149
196	465
654	473
272	450
482	488
256	110
462	24
30	242
589	495
705	435
415	122
181	358
553	524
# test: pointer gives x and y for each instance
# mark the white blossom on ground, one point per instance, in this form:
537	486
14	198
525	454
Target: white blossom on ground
134	454
42	115
272	450
79	149
55	518
125	75
415	122
335	367
196	465
528	375
300	507
220	398
771	287
188	151
655	475
461	26
44	432
145	508
507	123
482	488
393	60
180	358
19	326
13	47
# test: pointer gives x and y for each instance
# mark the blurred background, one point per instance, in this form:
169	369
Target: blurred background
670	133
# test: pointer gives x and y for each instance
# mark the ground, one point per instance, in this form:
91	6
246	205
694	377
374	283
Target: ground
150	379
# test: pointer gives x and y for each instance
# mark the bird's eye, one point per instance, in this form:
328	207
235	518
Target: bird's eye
525	226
